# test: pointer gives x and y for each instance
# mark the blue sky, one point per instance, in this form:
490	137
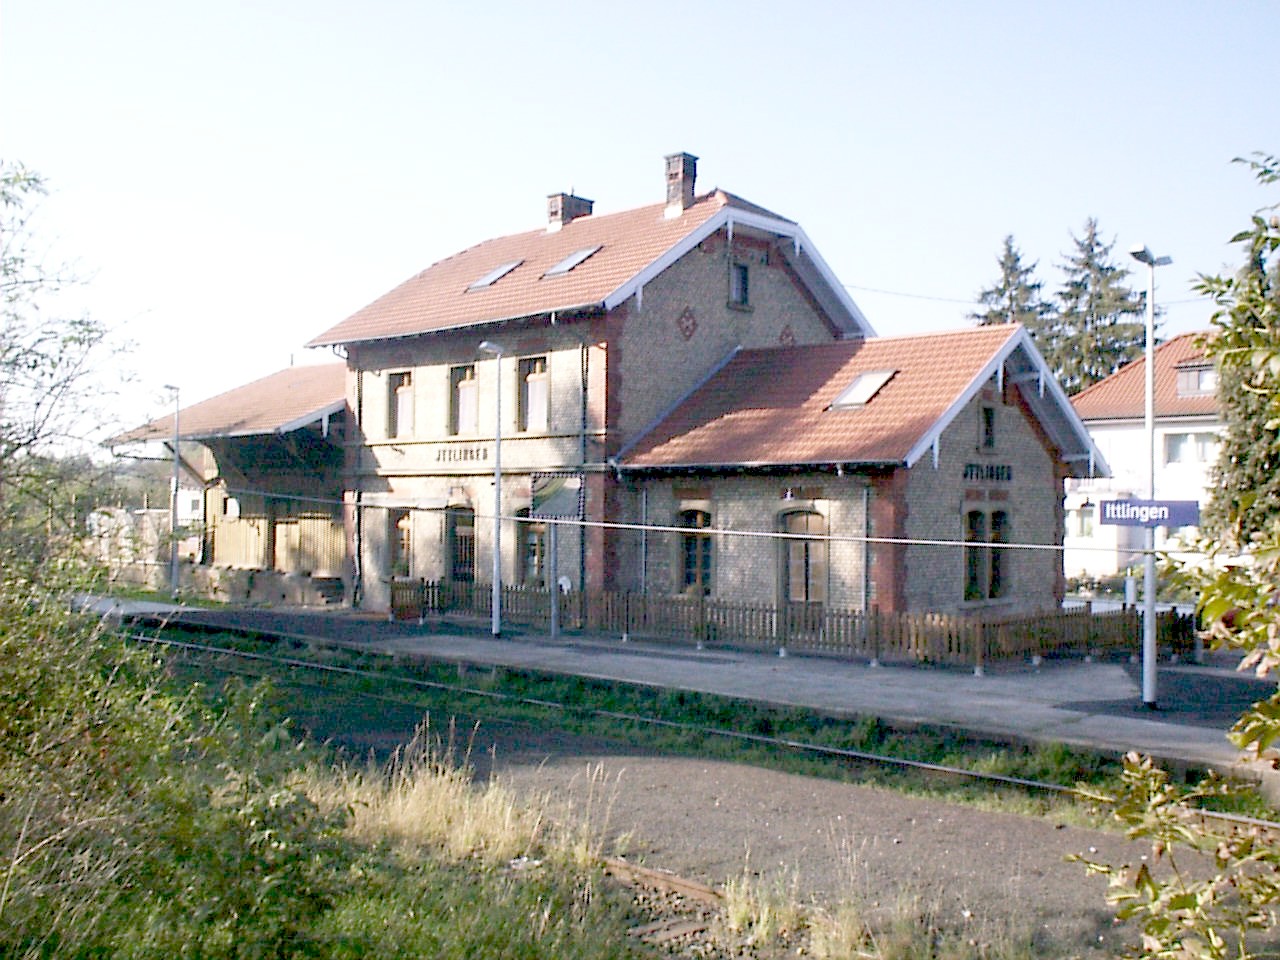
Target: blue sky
233	178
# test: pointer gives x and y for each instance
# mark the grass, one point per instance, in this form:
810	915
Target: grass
503	695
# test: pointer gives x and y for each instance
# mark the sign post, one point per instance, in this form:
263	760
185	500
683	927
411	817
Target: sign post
1149	514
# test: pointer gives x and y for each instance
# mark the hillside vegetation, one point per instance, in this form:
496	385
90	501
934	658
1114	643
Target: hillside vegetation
138	821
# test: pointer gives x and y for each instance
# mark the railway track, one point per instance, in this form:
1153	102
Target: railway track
845	755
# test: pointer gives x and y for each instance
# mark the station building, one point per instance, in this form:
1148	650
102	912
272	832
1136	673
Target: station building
694	365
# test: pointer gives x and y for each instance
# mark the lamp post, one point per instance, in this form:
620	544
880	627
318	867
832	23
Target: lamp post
491	348
173	501
1143	255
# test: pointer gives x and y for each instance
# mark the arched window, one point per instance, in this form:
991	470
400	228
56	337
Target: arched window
400	539
975	558
986	570
461	532
532	538
998	583
695	551
804	560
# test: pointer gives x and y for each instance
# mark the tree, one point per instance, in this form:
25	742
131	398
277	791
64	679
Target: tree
1246	349
1094	333
45	362
1229	909
1015	298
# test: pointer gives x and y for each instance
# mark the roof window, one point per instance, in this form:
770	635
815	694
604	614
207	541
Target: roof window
864	387
494	275
571	261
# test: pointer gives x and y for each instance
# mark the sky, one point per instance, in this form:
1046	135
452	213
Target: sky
230	179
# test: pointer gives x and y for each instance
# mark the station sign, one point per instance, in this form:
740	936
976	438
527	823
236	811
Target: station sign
1150	513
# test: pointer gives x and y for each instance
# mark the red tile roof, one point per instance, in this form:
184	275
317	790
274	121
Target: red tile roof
630	242
770	406
282	401
1122	395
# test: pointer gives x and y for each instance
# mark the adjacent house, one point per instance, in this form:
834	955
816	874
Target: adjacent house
1188	424
662	374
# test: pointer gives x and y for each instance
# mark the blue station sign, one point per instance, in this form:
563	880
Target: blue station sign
1150	513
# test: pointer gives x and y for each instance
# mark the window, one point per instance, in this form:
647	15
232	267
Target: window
461	532
533	550
571	261
988	437
975	531
804	560
400	404
494	275
1080	521
1190	447
400	539
986	570
534	395
464	406
695	550
739	285
1197	381
864	387
997	582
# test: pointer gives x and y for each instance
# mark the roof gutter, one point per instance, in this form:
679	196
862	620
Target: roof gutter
552	314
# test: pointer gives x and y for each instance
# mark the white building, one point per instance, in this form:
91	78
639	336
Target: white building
1188	425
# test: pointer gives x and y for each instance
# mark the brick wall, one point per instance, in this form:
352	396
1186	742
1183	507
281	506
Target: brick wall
685	326
937	500
745	569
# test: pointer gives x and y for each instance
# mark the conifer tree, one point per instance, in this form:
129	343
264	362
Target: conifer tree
1015	298
1098	327
1246	348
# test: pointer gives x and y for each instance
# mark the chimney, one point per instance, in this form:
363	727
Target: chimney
682	170
564	207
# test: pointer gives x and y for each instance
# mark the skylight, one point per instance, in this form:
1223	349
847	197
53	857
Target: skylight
864	387
494	275
571	261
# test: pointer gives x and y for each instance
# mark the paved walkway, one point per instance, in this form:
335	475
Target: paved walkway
1096	705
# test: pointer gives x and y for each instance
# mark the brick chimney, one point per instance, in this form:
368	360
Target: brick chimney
564	207
682	170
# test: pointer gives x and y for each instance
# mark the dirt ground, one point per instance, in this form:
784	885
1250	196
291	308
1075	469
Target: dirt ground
997	877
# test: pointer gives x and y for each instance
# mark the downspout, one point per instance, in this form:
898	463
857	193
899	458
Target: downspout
866	548
644	540
584	369
357	546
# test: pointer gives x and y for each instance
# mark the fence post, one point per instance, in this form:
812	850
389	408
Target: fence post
979	633
873	625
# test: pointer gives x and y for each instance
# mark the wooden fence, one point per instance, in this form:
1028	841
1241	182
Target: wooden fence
854	634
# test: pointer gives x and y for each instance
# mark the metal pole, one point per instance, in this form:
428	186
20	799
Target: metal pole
173	502
1149	568
497	501
553	556
1144	255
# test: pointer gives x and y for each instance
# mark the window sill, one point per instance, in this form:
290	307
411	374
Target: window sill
740	307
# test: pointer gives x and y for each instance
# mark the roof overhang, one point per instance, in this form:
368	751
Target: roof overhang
1018	358
801	255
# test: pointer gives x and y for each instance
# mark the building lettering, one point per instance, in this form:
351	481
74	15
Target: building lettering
993	472
462	454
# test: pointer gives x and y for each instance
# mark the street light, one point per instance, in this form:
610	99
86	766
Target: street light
173	501
491	348
1143	255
